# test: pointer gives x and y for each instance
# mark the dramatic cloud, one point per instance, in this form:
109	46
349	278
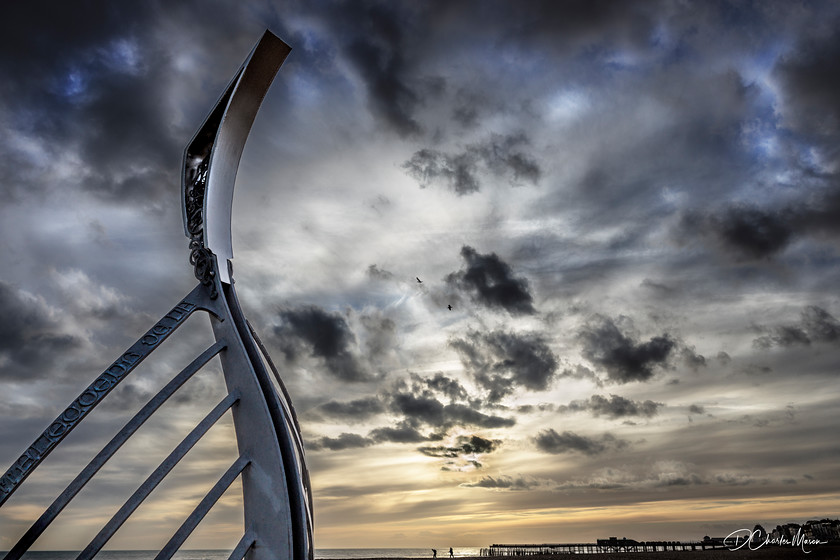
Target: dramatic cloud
113	77
500	362
810	88
29	336
327	335
430	411
377	51
465	415
400	434
549	441
460	172
490	281
447	386
356	410
624	359
340	443
505	482
614	407
745	232
426	410
592	161
816	325
466	445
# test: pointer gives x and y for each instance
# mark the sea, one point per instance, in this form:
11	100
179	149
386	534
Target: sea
320	554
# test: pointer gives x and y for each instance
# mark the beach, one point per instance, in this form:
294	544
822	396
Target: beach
821	552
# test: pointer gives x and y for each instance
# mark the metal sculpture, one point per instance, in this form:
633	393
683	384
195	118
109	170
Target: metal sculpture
277	499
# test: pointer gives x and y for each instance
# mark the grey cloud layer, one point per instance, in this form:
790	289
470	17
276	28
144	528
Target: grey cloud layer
500	362
641	196
623	358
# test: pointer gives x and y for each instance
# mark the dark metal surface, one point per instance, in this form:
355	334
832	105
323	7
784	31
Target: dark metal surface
28	539
195	186
97	391
188	526
155	478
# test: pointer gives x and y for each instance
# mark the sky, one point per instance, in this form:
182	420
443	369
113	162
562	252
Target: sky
632	208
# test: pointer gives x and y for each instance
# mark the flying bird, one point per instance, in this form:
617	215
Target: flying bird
418	280
450	307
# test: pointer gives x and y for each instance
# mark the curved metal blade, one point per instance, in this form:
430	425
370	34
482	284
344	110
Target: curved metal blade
211	159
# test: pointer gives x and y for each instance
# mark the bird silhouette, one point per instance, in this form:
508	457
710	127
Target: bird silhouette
418	280
450	307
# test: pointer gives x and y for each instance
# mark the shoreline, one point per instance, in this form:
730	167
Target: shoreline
768	552
765	553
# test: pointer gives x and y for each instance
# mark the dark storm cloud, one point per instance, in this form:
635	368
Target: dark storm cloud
820	325
743	232
500	362
816	325
376	46
490	281
581	22
355	410
614	407
326	335
753	232
465	415
506	482
549	441
811	86
390	45
447	386
458	172
340	443
93	87
29	337
425	409
500	156
624	359
821	217
466	445
399	434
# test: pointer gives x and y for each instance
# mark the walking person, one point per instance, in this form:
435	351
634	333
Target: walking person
451	554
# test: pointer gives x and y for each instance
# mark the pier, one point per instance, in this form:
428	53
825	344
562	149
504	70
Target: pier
612	544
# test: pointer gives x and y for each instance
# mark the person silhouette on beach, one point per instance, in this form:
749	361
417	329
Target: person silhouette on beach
451	555
434	553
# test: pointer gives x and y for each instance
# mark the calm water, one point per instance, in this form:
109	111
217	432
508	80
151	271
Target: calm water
321	554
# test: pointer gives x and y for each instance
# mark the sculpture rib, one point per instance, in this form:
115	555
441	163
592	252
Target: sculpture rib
210	163
277	499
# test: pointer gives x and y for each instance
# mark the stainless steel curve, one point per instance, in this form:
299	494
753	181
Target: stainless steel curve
220	141
277	500
268	433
